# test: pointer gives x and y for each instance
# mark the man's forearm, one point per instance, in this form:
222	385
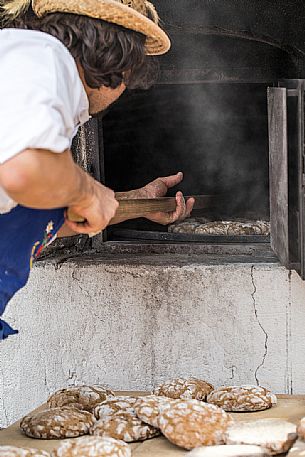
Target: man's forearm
43	179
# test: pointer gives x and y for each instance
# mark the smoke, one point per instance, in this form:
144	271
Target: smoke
217	132
227	142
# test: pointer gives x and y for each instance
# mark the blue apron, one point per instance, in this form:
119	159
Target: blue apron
24	232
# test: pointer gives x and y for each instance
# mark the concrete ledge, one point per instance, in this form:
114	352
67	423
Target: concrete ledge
132	325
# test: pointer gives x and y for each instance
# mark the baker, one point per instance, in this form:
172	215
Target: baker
60	62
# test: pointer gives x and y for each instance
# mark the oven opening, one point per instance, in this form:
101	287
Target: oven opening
228	111
217	134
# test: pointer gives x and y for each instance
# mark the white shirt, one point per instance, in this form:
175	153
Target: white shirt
42	98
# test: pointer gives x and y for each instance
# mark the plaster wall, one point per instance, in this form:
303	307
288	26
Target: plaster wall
131	326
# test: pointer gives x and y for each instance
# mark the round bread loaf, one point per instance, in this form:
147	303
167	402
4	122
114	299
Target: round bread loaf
82	397
57	423
191	423
148	408
186	389
301	429
242	398
12	451
233	228
124	426
203	226
114	405
93	446
187	226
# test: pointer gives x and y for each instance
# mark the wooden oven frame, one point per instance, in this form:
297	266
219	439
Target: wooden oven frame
287	172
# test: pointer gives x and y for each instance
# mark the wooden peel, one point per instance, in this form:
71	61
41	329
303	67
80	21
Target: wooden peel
140	207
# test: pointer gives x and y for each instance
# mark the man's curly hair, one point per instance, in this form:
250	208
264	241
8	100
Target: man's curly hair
108	53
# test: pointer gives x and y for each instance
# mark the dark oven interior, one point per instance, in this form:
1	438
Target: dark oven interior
217	134
208	117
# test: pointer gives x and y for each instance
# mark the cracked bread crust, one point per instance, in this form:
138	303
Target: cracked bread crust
57	423
82	397
93	446
13	451
192	423
242	398
148	408
124	426
115	405
186	389
228	228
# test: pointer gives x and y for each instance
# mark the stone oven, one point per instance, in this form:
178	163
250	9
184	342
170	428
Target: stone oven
137	306
208	117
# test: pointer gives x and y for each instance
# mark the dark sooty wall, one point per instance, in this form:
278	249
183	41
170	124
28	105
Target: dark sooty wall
215	133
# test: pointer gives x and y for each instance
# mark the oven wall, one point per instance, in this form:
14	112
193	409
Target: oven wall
133	323
279	20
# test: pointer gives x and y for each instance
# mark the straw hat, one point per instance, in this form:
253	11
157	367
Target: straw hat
138	15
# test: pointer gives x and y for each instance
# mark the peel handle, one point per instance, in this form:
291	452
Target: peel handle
139	207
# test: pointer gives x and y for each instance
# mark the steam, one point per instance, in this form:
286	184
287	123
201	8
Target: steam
215	133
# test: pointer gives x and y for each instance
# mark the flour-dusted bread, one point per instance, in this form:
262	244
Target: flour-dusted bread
242	398
187	226
301	429
82	397
276	436
124	426
114	405
186	389
54	423
242	450
234	228
192	423
148	408
12	451
202	226
93	446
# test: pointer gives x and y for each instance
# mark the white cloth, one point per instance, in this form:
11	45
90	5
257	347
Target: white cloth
42	98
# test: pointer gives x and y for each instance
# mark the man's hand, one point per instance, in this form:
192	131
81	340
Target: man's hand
155	189
159	188
97	210
42	179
